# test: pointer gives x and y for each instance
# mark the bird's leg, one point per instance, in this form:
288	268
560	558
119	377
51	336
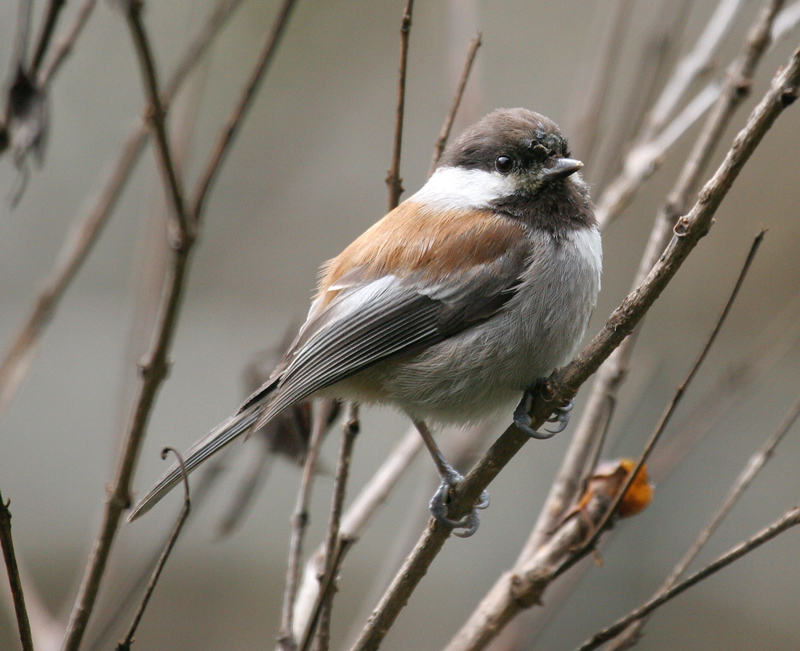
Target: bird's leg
450	478
522	417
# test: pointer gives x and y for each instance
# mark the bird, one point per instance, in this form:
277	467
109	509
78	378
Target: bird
458	302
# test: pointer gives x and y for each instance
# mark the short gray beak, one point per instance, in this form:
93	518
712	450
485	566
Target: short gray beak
562	168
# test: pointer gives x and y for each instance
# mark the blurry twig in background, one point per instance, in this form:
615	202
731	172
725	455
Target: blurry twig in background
87	228
788	520
444	135
10	558
125	645
288	634
64	45
393	180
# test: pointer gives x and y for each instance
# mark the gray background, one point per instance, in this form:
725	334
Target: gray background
305	177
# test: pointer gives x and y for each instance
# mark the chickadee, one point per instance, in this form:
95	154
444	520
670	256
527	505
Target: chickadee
454	304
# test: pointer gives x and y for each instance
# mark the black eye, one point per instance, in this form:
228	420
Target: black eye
503	164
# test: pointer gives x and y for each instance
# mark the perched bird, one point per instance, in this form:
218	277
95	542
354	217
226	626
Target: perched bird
456	303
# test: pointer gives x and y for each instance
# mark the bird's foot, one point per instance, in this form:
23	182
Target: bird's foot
465	526
522	417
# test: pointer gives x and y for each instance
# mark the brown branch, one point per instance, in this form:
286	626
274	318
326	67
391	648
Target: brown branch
86	230
666	416
393	180
754	465
156	114
7	543
125	645
286	638
444	135
564	383
155	366
322	612
788	520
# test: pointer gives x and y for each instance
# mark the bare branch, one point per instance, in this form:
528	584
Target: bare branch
286	637
564	383
7	543
788	520
48	29
393	180
444	135
125	645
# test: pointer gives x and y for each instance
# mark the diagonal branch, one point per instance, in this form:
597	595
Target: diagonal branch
564	383
7	543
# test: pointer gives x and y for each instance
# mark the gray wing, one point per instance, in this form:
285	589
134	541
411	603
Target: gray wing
368	323
365	323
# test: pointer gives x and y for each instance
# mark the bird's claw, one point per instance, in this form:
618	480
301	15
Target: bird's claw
523	421
463	527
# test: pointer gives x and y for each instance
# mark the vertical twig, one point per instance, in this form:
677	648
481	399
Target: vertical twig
444	135
286	638
393	180
7	543
67	42
125	645
350	431
43	42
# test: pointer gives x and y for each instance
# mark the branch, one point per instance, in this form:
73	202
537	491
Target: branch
66	43
564	383
444	135
789	519
393	180
125	645
7	543
48	29
286	638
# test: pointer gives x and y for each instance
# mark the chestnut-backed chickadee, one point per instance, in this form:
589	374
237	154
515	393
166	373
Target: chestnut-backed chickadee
455	303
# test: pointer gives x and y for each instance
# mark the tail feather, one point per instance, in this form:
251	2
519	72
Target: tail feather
204	448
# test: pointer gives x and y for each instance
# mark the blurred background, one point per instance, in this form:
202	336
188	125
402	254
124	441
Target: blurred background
305	177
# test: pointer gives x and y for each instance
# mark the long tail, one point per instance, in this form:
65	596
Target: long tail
204	448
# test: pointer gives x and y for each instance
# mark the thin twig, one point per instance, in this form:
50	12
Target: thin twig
754	465
564	383
286	638
788	520
156	114
86	230
7	543
393	180
19	54
65	44
666	416
350	430
48	29
444	135
125	645
231	126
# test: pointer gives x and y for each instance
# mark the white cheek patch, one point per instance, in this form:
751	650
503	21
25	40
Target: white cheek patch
455	188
